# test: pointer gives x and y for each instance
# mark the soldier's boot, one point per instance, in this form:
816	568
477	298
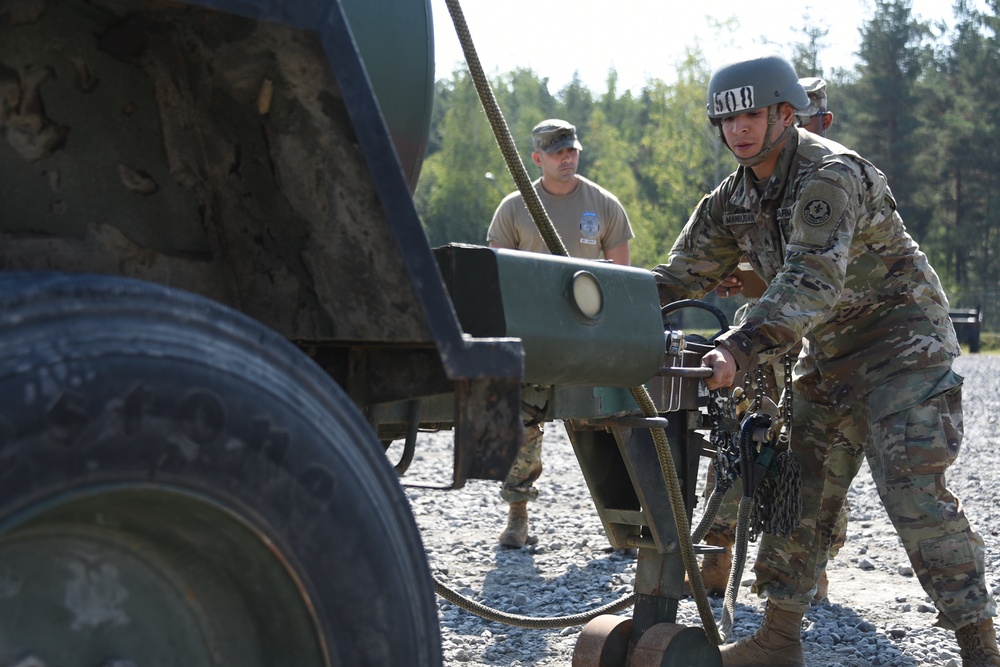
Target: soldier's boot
822	587
777	643
978	644
715	567
516	532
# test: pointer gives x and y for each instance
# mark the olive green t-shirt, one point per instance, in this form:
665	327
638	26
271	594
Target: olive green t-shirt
590	220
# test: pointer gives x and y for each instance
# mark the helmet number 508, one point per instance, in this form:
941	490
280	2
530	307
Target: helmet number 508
734	100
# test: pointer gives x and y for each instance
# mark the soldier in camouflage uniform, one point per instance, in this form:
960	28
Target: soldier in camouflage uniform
816	118
593	224
819	225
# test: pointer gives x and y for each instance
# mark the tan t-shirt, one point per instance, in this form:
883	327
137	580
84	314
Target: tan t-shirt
590	220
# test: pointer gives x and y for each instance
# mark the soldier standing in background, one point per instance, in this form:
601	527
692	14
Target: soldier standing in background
592	224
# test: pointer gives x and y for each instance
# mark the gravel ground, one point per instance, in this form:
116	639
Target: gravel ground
877	614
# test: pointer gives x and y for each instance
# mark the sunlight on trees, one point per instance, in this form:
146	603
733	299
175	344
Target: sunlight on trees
921	106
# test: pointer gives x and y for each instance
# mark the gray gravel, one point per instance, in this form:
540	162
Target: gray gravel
877	614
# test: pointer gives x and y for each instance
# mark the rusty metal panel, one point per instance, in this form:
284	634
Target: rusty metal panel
246	160
488	429
205	151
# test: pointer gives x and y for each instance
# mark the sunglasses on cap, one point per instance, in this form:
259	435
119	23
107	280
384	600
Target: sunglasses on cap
802	121
555	138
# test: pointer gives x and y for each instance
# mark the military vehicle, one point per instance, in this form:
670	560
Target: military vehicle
967	322
218	305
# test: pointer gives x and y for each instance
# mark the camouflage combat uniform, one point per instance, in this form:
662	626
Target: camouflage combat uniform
874	377
526	469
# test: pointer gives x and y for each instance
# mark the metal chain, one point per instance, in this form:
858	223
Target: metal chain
758	396
726	462
785	403
787	392
725	425
778	501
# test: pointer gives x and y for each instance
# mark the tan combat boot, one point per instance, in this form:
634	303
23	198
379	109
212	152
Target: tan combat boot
978	644
777	643
715	568
516	533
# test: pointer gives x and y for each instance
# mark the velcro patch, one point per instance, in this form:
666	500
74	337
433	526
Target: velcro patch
946	551
816	211
817	214
739	219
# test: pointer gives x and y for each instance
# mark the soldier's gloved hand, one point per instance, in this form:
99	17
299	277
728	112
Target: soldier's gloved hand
723	366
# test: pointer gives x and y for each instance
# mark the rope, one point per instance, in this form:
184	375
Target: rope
725	423
642	398
502	133
772	504
520	621
739	562
711	511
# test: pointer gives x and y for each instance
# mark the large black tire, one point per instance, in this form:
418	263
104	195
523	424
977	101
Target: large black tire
180	486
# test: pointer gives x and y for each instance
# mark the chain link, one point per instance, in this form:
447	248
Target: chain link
777	502
722	413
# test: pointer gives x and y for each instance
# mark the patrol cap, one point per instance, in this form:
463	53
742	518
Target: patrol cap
815	88
553	135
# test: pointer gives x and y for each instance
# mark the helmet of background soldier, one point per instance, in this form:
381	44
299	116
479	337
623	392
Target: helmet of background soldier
754	84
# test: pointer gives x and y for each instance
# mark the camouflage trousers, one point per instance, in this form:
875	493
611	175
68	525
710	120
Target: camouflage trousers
527	467
910	430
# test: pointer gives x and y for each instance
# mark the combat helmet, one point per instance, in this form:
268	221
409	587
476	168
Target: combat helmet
754	84
749	85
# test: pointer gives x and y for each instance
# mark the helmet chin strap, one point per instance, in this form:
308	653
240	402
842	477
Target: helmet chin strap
772	120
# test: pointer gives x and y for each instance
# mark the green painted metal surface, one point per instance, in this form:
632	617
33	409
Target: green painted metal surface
532	297
396	43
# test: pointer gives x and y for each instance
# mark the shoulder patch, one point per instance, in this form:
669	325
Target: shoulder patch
817	213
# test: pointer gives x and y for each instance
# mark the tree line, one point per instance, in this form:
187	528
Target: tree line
922	104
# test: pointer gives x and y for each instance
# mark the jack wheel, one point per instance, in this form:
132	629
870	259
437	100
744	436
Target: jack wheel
603	642
673	645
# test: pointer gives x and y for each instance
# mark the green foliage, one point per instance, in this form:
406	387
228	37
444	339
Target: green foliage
921	105
682	159
893	56
988	342
805	56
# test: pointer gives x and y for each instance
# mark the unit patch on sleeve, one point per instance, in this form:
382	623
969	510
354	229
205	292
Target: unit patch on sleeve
817	213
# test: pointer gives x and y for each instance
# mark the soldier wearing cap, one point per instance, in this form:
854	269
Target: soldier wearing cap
818	223
592	225
815	118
